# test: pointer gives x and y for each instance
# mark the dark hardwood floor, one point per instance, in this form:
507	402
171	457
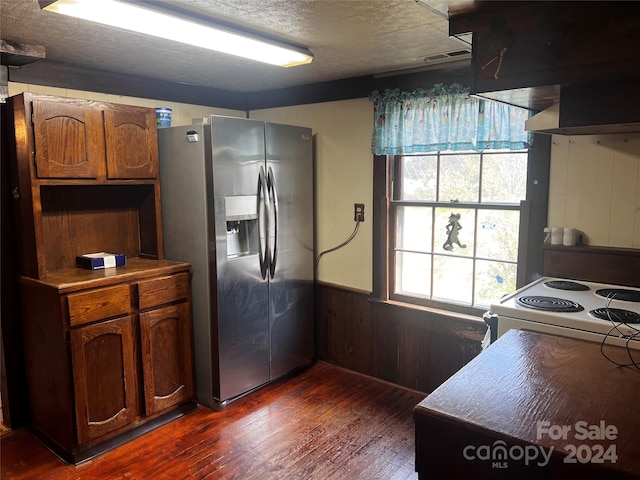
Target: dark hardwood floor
325	423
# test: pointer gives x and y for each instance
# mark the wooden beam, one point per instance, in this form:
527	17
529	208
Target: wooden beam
66	76
360	87
17	53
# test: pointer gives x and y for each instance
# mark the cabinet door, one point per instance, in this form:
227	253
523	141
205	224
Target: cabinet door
104	376
166	356
132	142
69	140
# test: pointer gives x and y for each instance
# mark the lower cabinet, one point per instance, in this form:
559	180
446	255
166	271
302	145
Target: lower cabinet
165	334
104	377
108	360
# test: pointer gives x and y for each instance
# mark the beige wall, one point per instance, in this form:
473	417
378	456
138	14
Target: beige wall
595	187
344	176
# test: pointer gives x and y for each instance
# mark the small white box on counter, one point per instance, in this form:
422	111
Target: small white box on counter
96	261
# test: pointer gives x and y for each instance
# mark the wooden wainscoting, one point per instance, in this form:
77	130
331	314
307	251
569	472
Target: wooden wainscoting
618	266
417	348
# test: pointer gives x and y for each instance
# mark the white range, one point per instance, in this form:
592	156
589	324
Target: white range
603	313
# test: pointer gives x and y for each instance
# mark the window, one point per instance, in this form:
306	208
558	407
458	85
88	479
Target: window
454	223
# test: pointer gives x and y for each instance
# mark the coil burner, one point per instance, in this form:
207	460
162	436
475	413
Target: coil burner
566	285
549	304
616	315
620	294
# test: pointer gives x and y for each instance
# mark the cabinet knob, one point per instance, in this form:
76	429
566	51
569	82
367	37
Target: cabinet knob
16	193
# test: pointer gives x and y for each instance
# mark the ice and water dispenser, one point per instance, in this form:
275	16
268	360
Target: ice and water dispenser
241	214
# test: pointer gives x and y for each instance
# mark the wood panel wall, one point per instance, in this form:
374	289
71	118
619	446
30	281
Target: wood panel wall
618	266
417	348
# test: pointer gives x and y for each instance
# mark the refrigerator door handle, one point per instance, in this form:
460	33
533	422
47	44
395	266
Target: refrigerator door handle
263	215
273	203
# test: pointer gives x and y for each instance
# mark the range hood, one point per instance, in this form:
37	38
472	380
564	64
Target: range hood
593	109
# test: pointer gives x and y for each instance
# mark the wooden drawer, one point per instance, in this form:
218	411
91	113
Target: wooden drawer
163	290
99	304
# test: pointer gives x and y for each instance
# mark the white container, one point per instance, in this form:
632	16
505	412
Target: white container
569	236
556	235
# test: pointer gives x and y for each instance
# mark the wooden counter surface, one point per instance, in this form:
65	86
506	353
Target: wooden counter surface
534	394
74	279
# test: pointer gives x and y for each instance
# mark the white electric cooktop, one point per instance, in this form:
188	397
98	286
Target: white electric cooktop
574	308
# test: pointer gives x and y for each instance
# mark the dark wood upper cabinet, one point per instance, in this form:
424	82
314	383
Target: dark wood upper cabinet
131	142
79	139
524	51
69	140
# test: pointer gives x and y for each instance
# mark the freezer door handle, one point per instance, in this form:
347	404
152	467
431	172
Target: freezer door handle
273	204
263	215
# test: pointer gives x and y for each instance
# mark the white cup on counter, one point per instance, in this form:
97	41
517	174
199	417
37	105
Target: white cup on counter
557	234
569	236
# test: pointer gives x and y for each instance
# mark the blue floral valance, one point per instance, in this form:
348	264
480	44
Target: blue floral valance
444	118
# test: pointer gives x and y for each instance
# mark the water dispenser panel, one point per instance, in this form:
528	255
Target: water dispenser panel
241	214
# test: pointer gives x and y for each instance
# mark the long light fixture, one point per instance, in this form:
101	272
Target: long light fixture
163	25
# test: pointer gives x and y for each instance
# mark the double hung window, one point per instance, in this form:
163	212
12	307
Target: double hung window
455	221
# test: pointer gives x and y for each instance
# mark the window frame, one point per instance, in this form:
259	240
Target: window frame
396	203
533	219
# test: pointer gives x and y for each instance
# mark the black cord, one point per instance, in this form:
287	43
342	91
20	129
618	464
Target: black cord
355	231
629	338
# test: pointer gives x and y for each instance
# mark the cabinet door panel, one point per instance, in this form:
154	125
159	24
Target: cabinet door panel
104	377
166	357
132	142
69	140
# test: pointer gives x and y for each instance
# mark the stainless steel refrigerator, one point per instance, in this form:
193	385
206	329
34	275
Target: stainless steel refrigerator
237	203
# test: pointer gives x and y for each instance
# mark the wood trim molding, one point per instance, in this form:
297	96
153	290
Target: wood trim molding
381	179
343	288
45	72
538	165
54	74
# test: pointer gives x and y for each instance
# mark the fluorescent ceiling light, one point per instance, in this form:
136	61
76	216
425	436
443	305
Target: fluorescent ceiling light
163	25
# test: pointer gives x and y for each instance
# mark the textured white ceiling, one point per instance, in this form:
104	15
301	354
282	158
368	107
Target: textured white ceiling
348	38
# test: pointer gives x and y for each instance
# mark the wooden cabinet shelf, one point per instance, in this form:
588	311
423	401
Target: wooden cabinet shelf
108	352
68	280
